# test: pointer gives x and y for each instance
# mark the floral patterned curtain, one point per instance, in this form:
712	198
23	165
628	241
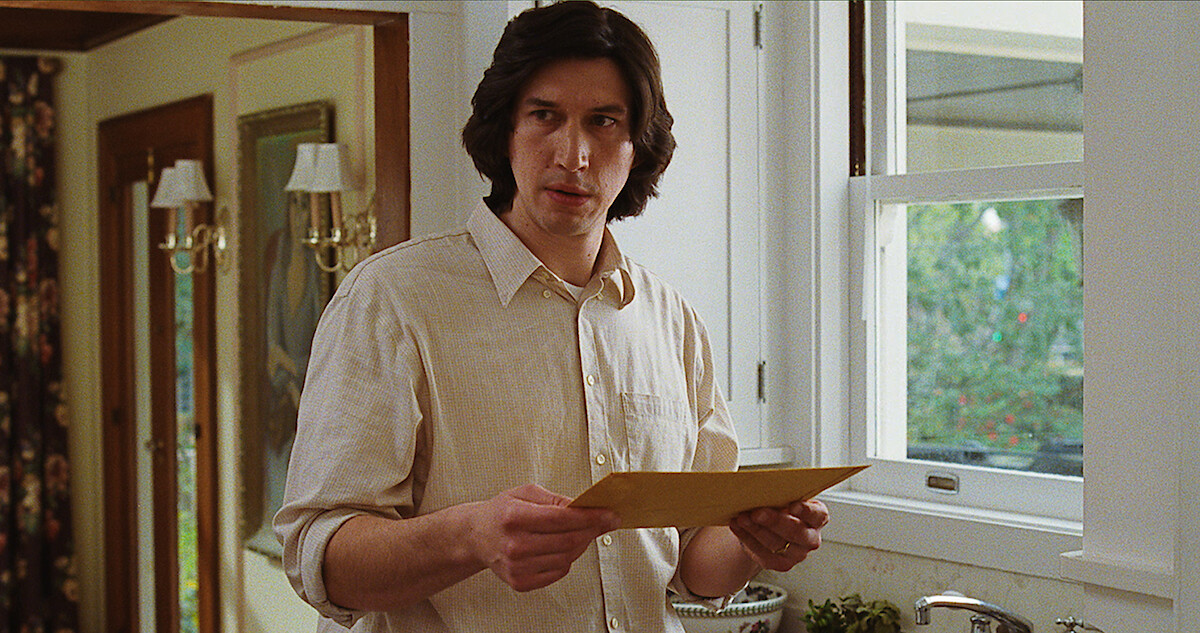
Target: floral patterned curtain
38	589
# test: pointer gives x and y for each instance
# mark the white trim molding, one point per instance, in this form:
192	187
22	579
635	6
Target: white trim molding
1015	543
1129	576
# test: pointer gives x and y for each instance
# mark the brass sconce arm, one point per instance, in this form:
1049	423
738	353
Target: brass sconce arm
205	241
346	243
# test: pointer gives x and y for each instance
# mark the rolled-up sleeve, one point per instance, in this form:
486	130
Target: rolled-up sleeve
356	436
304	550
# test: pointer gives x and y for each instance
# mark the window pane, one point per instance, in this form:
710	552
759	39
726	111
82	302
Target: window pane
994	333
989	83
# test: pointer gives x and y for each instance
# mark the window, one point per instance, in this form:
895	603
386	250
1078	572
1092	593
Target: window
970	279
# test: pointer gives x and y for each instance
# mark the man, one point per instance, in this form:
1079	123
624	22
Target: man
464	387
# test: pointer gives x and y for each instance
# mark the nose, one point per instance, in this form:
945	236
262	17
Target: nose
572	150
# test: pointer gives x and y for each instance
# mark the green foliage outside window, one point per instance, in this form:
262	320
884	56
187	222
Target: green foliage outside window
995	324
188	552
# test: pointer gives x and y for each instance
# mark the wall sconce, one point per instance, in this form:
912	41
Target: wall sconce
321	168
181	189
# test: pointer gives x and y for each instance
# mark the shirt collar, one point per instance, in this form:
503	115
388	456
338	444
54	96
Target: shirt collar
506	258
510	263
614	269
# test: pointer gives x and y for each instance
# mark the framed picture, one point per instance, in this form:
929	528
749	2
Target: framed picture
282	294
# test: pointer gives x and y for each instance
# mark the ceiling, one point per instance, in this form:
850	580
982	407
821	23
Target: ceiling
55	30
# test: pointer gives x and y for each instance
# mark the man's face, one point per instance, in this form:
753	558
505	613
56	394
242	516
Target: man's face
570	147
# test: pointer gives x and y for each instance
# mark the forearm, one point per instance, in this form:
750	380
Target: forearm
527	536
715	564
378	564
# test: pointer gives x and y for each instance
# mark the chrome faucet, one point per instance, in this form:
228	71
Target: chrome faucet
981	622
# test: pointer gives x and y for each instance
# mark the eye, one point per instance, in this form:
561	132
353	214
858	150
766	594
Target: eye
601	120
542	115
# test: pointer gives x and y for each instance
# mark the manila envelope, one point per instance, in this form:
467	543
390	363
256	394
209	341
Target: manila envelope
691	499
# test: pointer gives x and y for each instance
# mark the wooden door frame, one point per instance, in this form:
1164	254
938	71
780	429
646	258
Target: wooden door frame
132	148
393	184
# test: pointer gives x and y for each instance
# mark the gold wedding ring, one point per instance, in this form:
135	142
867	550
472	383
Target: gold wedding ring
783	549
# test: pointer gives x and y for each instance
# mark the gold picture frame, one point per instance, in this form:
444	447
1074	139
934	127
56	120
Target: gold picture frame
282	293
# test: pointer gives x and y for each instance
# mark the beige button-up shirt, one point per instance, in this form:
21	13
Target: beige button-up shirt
448	369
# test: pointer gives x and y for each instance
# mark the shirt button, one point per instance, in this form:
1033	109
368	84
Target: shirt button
590	380
606	540
614	623
546	294
600	459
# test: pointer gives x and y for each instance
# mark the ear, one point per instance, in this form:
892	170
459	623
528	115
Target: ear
639	158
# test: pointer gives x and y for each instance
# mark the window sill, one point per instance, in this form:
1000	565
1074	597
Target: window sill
1015	543
1126	576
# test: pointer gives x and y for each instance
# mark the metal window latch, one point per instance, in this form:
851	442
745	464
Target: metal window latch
1071	624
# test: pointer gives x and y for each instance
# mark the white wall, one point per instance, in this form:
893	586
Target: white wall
79	275
1140	257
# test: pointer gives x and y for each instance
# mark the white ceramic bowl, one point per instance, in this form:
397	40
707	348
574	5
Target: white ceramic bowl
758	609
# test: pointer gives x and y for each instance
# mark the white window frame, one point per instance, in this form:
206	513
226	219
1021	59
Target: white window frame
877	439
867	517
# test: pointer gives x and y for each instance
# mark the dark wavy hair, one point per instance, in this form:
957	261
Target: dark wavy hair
576	29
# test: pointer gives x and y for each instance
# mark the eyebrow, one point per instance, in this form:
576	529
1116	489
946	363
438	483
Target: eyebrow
614	108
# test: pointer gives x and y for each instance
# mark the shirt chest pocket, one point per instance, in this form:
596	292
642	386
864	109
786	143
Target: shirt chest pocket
660	432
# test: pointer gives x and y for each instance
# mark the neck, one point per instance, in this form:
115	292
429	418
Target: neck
572	257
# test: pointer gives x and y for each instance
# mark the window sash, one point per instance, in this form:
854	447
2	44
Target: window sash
1012	491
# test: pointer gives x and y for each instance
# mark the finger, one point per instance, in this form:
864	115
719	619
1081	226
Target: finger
789	526
526	568
570	545
533	573
752	524
779	529
534	493
770	525
750	542
554	520
813	512
762	554
529	582
539	510
541	563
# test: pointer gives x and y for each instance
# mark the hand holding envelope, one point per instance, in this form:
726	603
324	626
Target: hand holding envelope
691	499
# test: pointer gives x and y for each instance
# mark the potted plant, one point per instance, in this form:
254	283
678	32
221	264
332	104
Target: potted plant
851	614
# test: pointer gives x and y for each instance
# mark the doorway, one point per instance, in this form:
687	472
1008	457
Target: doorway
112	594
159	381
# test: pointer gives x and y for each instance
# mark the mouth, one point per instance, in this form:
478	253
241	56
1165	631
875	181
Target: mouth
568	194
